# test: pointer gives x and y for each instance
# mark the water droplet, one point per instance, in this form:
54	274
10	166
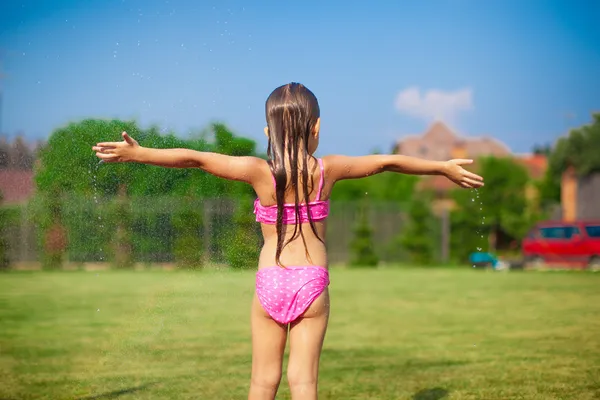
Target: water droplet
98	310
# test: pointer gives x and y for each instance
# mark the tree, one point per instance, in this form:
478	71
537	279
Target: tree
362	246
578	150
21	157
69	169
499	210
4	153
542	149
67	161
416	237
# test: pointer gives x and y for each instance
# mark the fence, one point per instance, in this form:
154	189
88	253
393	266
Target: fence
152	224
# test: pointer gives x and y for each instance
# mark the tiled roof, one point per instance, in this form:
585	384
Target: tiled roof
439	142
536	164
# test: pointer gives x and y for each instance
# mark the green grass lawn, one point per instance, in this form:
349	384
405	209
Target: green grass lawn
394	334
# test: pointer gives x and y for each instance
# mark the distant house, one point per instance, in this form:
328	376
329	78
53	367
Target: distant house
580	196
17	160
439	143
16	186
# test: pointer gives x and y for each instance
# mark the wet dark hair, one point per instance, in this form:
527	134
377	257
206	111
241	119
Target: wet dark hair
292	112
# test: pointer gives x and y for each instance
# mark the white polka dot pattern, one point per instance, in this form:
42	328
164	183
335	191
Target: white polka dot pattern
286	293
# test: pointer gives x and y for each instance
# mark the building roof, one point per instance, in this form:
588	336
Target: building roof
536	164
439	142
16	186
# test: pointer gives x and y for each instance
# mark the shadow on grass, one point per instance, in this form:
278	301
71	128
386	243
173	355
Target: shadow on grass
382	361
116	393
430	394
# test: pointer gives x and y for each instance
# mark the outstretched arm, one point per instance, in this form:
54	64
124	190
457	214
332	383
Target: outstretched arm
345	167
244	169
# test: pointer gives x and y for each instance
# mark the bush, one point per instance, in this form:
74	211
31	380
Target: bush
416	238
54	234
122	244
363	253
188	246
244	245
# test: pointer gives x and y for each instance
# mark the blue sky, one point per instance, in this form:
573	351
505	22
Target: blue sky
521	71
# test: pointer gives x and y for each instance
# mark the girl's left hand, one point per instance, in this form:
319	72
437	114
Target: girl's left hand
117	151
454	171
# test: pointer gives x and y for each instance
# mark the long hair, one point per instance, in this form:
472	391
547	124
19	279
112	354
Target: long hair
292	112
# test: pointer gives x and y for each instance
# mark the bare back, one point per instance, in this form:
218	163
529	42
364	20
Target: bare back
295	253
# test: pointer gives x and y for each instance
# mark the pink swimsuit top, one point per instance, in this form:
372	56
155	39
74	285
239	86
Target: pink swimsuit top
319	209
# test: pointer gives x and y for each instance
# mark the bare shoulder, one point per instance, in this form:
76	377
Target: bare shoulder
257	167
259	170
256	162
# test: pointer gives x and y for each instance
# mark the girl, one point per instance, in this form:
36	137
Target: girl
293	189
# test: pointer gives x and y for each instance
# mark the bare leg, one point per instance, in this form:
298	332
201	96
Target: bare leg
268	345
306	341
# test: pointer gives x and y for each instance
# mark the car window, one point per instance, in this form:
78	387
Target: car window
559	232
593	231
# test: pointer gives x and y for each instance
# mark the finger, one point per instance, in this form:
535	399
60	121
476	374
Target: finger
103	149
462	161
108	144
128	138
473	183
466	185
107	157
473	176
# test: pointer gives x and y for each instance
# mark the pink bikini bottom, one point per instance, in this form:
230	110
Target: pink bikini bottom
286	293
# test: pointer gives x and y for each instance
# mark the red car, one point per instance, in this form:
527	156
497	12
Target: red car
565	243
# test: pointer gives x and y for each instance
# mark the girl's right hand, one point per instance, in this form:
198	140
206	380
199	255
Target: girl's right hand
454	171
124	151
